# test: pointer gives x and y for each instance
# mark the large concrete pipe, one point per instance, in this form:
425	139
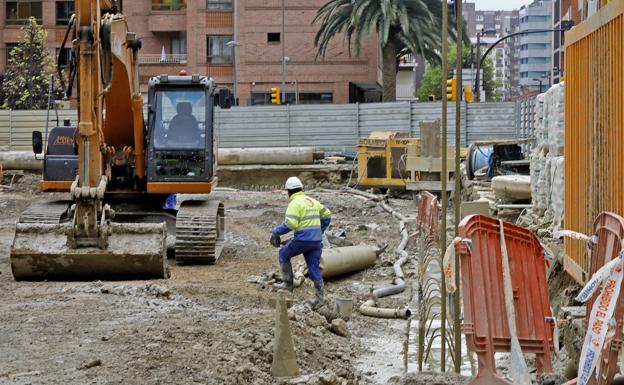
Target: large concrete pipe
512	187
20	160
25	160
267	155
349	259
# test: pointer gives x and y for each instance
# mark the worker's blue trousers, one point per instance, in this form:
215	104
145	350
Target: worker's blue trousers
311	251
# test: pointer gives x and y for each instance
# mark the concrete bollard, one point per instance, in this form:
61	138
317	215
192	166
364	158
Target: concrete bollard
284	359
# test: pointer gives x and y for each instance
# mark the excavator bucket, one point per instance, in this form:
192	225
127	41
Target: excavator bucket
40	251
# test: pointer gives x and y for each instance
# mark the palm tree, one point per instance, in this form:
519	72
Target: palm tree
402	26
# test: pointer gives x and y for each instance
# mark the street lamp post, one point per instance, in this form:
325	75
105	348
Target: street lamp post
565	26
483	32
234	44
540	84
283	58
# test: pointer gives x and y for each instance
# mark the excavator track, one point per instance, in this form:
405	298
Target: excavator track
199	232
49	212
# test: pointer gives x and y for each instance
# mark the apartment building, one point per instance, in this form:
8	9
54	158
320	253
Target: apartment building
536	48
492	25
53	15
225	39
563	10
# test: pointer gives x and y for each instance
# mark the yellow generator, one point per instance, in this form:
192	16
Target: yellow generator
381	159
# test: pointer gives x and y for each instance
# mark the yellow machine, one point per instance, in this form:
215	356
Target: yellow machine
381	159
121	171
394	160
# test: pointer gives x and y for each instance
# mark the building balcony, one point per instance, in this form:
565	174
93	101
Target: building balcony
528	53
408	60
146	59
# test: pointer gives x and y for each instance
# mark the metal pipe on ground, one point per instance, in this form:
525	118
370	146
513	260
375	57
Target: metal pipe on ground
266	155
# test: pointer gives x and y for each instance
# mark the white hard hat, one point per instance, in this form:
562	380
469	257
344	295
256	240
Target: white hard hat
293	182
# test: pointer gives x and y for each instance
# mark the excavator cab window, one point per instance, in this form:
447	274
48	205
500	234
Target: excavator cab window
180	119
181	136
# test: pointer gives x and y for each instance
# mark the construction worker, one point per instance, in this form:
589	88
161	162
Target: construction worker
308	219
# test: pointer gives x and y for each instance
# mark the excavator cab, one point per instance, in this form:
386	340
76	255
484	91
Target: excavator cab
180	129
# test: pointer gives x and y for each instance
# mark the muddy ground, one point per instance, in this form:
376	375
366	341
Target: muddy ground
206	324
211	324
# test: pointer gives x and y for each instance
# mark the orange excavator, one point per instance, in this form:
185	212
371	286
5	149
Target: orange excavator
123	173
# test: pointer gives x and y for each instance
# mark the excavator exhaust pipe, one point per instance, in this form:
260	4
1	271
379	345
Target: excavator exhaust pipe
135	251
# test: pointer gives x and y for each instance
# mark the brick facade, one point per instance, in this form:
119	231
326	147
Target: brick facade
181	31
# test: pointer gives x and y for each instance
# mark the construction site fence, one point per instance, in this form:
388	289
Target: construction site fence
594	127
333	127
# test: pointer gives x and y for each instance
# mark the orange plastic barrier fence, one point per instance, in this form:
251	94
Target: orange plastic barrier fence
485	318
594	127
428	214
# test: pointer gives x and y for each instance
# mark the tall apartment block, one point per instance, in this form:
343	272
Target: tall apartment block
493	25
563	10
536	48
221	38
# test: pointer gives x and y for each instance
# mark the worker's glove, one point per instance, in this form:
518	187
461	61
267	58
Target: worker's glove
275	240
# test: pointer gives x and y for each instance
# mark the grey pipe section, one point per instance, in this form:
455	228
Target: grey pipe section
369	308
20	160
266	155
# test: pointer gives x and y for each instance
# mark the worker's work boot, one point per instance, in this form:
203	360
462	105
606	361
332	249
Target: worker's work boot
319	299
287	278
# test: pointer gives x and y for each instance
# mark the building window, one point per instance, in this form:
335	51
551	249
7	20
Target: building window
169	5
18	12
273	37
64	10
8	49
264	98
218	4
218	51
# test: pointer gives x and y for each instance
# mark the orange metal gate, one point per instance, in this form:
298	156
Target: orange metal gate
594	127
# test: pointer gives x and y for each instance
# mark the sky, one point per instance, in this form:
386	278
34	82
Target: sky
499	4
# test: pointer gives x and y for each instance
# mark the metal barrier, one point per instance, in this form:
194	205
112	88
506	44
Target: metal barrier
428	219
485	317
431	313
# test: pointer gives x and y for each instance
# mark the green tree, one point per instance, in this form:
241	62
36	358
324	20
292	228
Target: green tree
402	26
27	78
431	83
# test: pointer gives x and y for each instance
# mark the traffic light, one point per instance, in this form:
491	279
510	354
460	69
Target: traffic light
276	96
451	89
